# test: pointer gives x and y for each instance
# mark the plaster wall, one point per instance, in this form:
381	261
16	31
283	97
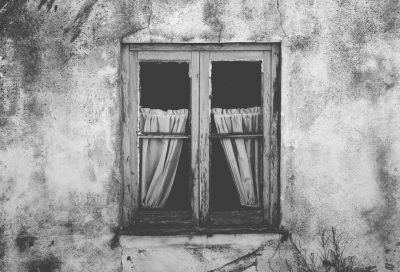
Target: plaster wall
60	113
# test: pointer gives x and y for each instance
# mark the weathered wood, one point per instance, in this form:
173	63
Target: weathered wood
141	133
133	128
250	216
275	135
164	56
163	136
234	135
200	131
125	149
204	130
162	230
236	56
163	217
195	100
266	109
200	46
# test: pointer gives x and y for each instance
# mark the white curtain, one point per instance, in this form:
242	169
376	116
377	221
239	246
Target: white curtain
243	155
160	157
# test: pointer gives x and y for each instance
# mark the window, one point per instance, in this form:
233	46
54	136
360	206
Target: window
201	137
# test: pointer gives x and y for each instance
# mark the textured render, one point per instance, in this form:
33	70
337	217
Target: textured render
60	110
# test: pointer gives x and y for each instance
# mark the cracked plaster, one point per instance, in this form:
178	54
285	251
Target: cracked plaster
60	179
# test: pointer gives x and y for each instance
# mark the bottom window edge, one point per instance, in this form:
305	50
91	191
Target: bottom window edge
171	230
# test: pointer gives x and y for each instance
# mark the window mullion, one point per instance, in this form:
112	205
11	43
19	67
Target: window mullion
204	121
195	101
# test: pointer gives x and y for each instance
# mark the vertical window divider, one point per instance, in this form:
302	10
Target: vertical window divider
195	111
204	122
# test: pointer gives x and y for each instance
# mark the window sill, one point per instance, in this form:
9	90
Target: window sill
170	230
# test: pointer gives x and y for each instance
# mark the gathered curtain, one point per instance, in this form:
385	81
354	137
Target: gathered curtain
243	154
160	157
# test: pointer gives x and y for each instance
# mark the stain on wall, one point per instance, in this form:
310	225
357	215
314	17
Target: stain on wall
3	244
47	264
60	112
24	240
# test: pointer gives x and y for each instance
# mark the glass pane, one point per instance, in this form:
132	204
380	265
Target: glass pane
235	182
164	108
164	85
179	198
235	162
159	168
223	194
236	84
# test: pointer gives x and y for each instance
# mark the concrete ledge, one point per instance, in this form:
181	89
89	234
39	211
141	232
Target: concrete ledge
201	240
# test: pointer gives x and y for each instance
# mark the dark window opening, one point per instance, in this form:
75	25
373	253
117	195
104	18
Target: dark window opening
224	195
179	198
236	84
164	85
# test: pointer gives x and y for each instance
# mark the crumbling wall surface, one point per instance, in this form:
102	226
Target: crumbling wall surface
59	136
60	111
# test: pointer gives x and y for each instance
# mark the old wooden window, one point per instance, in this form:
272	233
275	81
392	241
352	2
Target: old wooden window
215	167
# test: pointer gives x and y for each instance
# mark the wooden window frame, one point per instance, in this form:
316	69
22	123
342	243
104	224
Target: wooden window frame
199	220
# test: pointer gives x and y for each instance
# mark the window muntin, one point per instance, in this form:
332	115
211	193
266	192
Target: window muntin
200	58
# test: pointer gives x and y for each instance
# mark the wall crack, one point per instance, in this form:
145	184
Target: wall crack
212	11
221	28
150	11
278	8
243	262
122	255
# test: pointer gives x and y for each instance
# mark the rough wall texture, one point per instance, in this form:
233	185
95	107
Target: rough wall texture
60	109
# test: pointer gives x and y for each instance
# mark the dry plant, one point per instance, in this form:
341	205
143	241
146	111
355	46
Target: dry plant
331	255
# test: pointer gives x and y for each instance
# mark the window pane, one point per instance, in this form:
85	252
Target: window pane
223	194
164	85
157	190
236	162
235	174
236	84
164	108
179	198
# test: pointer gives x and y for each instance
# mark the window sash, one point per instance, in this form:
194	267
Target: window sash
199	57
222	217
